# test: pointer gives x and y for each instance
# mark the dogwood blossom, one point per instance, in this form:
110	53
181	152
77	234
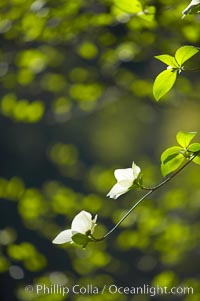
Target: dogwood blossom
125	179
193	7
82	224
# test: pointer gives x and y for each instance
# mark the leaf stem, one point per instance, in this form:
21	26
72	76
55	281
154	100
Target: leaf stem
150	191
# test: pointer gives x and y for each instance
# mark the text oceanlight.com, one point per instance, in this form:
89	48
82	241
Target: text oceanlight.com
112	289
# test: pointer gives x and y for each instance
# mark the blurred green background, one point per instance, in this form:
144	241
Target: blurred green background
76	103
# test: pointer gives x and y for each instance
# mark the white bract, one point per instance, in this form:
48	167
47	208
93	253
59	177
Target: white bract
194	6
81	224
125	179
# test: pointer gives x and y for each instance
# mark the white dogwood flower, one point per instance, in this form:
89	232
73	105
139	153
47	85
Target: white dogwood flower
125	179
193	7
81	224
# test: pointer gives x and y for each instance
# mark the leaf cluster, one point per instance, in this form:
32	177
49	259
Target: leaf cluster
173	157
167	78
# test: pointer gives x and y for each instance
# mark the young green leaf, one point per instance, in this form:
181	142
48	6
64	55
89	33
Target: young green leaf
197	160
184	138
172	164
131	7
185	53
194	147
170	153
168	60
164	82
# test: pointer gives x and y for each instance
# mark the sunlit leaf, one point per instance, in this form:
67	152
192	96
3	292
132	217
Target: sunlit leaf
164	82
171	159
184	138
173	164
194	147
185	53
168	60
170	153
197	160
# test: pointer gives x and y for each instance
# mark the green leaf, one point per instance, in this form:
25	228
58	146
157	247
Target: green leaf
81	239
168	60
171	159
129	6
170	153
164	82
197	160
184	138
172	164
194	147
185	53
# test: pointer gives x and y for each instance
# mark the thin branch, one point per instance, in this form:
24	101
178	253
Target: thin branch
150	191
